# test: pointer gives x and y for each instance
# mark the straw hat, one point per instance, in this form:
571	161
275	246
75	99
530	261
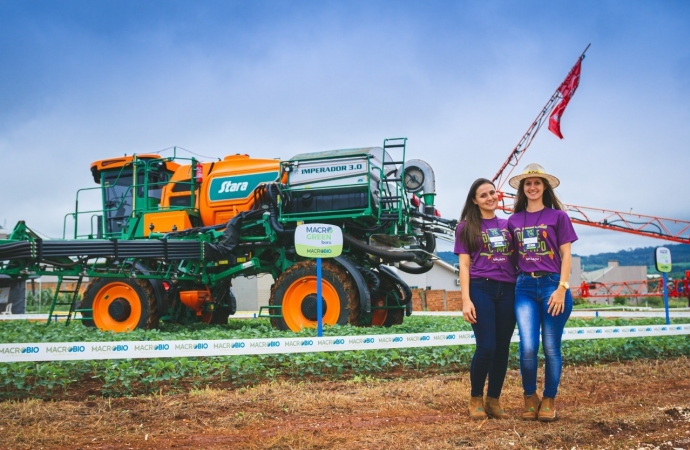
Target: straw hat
533	170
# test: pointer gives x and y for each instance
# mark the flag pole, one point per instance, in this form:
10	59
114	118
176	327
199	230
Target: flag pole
500	178
582	57
585	51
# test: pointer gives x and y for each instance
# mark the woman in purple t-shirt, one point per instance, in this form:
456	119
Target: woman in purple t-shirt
487	278
542	233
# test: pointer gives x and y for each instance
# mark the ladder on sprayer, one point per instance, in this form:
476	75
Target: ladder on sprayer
71	292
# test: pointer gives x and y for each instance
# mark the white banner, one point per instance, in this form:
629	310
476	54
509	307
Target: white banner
73	351
579	313
675	313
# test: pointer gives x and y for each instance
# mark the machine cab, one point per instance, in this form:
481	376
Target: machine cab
126	194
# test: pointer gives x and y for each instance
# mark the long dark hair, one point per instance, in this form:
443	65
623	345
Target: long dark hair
549	197
472	231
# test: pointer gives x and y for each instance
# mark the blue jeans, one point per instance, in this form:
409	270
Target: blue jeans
531	306
494	303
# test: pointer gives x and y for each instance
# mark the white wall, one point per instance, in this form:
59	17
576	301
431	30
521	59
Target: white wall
252	292
575	272
625	273
616	274
441	276
264	283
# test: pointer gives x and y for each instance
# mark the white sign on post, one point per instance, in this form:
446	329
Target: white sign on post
662	258
318	240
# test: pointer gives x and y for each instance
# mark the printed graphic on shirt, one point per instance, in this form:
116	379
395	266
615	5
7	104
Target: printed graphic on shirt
532	244
495	245
496	238
530	238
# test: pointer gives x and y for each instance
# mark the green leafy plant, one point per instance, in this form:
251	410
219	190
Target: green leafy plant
618	300
655	302
577	301
140	376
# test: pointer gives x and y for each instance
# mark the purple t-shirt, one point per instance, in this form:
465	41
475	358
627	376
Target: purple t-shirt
538	237
494	257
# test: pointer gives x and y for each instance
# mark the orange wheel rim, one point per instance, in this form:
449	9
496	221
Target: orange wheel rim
298	292
378	316
116	307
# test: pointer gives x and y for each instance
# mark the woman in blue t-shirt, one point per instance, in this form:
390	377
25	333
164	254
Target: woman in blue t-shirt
543	234
487	279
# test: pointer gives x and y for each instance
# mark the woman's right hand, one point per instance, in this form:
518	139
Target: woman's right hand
468	311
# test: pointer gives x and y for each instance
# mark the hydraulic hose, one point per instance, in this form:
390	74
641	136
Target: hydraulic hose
230	238
424	267
393	256
393	277
354	226
429	242
277	226
47	251
416	269
371	278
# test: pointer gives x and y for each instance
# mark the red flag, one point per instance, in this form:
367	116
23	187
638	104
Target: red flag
567	90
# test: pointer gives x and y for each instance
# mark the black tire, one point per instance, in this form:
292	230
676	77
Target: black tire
135	306
87	316
294	291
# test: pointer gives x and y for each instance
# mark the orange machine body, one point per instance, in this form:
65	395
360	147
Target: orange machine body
195	299
226	187
122	161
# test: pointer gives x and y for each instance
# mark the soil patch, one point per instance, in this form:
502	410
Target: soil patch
640	405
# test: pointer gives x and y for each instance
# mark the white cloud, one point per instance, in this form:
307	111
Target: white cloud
462	82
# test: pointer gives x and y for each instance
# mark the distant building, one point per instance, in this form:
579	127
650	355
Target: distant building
442	276
632	276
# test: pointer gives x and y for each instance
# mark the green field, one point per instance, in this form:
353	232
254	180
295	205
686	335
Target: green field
141	376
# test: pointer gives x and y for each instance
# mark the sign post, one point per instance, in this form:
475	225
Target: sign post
318	240
662	259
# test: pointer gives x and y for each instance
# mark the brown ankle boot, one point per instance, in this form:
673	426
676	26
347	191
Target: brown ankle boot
531	407
493	408
476	408
547	412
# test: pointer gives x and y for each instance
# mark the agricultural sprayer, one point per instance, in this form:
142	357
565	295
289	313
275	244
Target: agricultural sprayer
173	232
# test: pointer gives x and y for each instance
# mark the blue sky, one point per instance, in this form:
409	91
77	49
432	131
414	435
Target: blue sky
82	81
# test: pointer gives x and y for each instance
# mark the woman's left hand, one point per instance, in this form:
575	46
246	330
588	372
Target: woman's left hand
557	302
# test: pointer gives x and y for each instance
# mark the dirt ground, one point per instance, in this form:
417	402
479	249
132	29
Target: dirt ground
633	405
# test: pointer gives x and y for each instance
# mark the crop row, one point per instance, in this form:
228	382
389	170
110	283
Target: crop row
141	376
